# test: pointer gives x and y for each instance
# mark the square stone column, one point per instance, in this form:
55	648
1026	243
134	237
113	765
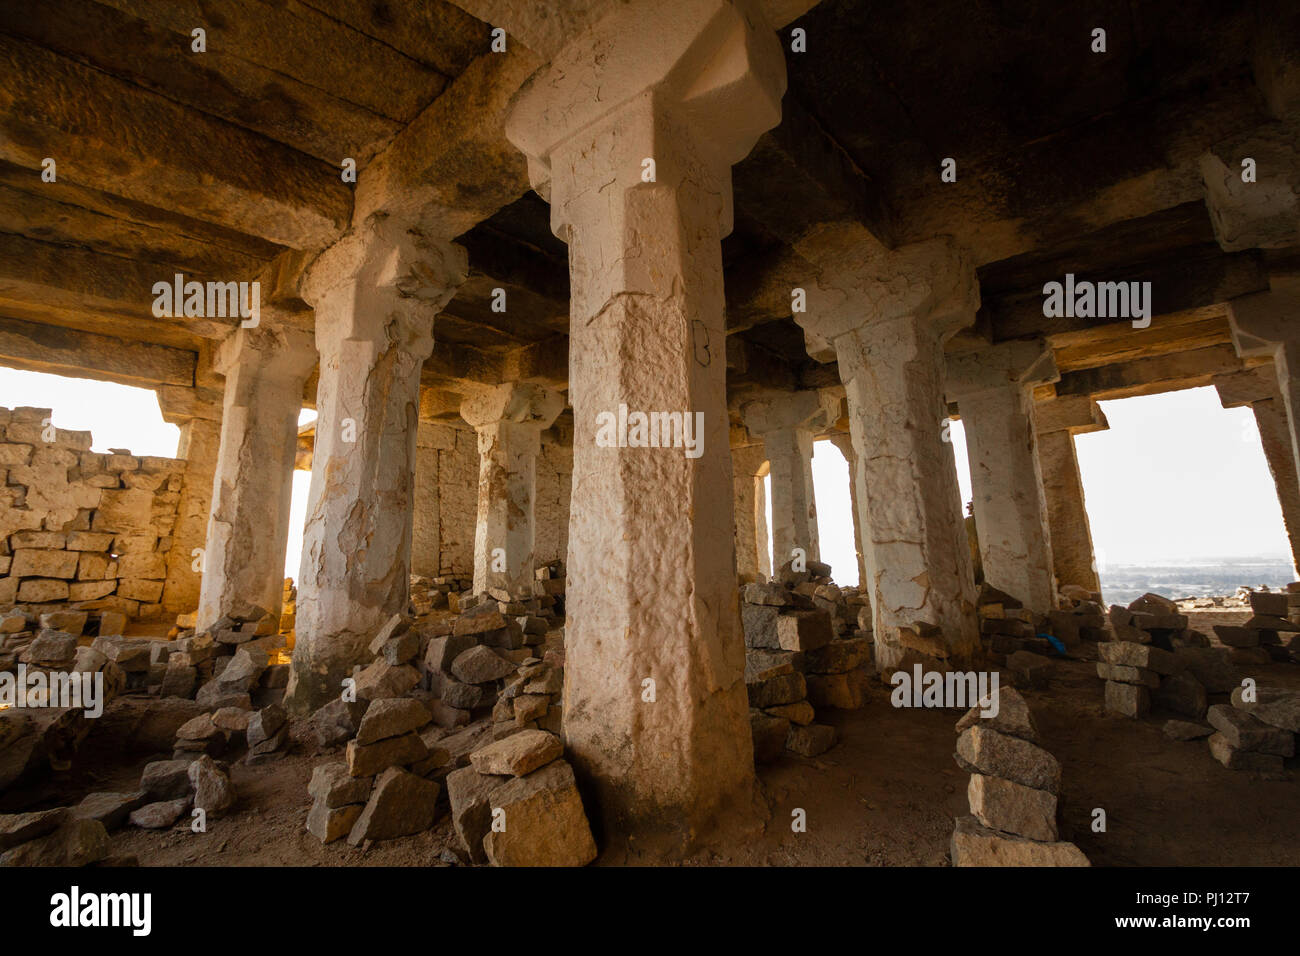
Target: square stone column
199	419
844	442
509	420
1267	325
631	133
375	293
1257	389
992	389
787	423
886	314
1056	422
748	464
265	369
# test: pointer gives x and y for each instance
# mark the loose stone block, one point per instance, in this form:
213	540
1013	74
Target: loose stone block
400	804
783	689
328	824
1146	656
480	665
333	786
1182	694
1128	675
391	717
77	842
981	750
1127	700
1007	806
544	821
1013	717
769	733
759	622
1245	732
367	760
1184	730
1274	706
810	740
518	754
1234	758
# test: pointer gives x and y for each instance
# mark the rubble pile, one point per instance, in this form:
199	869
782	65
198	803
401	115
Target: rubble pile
1257	730
807	644
1012	792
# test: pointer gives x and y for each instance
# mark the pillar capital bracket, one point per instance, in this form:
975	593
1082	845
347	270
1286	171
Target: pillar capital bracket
1022	363
1076	414
857	282
1262	321
276	351
515	402
785	410
1247	387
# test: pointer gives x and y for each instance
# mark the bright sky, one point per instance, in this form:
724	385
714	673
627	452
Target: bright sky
1176	477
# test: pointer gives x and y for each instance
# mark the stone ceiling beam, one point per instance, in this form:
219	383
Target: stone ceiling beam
1150	376
59	351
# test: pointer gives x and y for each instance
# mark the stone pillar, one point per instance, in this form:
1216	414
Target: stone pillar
375	293
886	315
509	420
426	530
1257	388
992	388
1056	422
265	369
844	442
200	424
747	462
631	133
1264	325
786	423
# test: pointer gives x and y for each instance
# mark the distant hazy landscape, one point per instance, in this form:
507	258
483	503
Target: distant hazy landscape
1197	577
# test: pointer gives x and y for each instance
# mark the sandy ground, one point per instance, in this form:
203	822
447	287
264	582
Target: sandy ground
885	795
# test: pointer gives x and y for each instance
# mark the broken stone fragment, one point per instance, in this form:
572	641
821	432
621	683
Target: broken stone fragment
381	679
769	594
839	691
1012	808
976	845
1128	654
16	828
1182	694
543	822
810	740
803	630
838	657
264	725
519	754
213	791
391	717
1013	717
400	804
328	824
1128	675
981	750
769	733
161	815
337	721
468	791
77	842
480	665
394	626
800	712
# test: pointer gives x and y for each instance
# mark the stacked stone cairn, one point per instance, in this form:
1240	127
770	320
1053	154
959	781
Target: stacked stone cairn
1012	792
807	644
1256	734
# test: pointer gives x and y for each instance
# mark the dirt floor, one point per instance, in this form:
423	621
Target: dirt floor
885	795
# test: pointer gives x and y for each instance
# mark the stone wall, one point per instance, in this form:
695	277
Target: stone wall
446	501
551	502
78	526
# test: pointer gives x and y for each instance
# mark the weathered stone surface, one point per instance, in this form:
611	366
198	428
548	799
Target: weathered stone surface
400	804
840	691
1121	674
480	665
332	785
1007	806
1272	705
368	760
265	725
1212	667
544	821
759	622
981	750
839	656
800	712
18	828
769	733
518	754
810	740
337	721
976	845
110	809
803	630
391	717
1245	732
1146	656
1013	717
77	842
